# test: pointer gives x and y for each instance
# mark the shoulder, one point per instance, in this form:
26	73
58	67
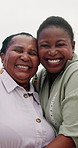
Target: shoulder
71	66
71	69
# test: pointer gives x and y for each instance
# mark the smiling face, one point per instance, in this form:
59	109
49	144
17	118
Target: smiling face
21	59
55	48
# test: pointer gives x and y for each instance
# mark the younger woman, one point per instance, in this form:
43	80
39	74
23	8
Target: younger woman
58	80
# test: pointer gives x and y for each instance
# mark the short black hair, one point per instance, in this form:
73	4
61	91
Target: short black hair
7	40
57	22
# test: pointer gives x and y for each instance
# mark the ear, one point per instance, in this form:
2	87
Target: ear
2	55
73	47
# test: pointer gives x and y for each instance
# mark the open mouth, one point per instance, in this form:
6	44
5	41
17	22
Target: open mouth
23	67
53	60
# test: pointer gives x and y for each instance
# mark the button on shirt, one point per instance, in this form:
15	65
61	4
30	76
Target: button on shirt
21	120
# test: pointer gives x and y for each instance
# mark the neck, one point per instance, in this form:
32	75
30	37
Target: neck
25	86
52	76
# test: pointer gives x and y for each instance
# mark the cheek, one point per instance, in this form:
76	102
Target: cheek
35	62
69	54
9	58
66	52
41	53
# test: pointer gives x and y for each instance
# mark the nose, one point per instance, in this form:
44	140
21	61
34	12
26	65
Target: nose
25	56
52	51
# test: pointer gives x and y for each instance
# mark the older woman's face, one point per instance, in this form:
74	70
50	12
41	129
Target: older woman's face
21	59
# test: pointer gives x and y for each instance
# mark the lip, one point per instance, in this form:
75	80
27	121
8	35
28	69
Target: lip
53	60
24	67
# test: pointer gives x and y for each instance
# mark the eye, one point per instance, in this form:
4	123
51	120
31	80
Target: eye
33	53
45	46
18	50
60	44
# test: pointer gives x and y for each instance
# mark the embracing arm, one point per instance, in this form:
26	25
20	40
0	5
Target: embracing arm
61	142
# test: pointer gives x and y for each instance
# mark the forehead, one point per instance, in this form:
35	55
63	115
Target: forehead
22	38
23	42
53	32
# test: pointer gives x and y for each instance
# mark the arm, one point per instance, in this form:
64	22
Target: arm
61	142
70	117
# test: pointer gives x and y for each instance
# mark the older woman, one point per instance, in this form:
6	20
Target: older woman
21	120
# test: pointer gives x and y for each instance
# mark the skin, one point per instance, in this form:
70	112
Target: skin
55	48
61	142
21	60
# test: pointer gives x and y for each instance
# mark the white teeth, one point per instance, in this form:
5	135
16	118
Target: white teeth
25	67
54	61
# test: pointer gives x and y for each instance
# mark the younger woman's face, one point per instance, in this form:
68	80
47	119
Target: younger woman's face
55	48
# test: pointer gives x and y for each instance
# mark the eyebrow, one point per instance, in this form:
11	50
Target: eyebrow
48	41
20	47
61	41
44	41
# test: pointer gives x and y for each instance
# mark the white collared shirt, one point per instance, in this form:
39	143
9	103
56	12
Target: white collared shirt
21	120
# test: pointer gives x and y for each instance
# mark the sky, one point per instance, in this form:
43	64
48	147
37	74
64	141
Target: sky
26	15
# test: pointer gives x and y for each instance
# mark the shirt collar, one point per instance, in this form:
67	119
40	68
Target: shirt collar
8	82
10	85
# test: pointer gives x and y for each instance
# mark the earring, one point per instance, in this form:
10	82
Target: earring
35	80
